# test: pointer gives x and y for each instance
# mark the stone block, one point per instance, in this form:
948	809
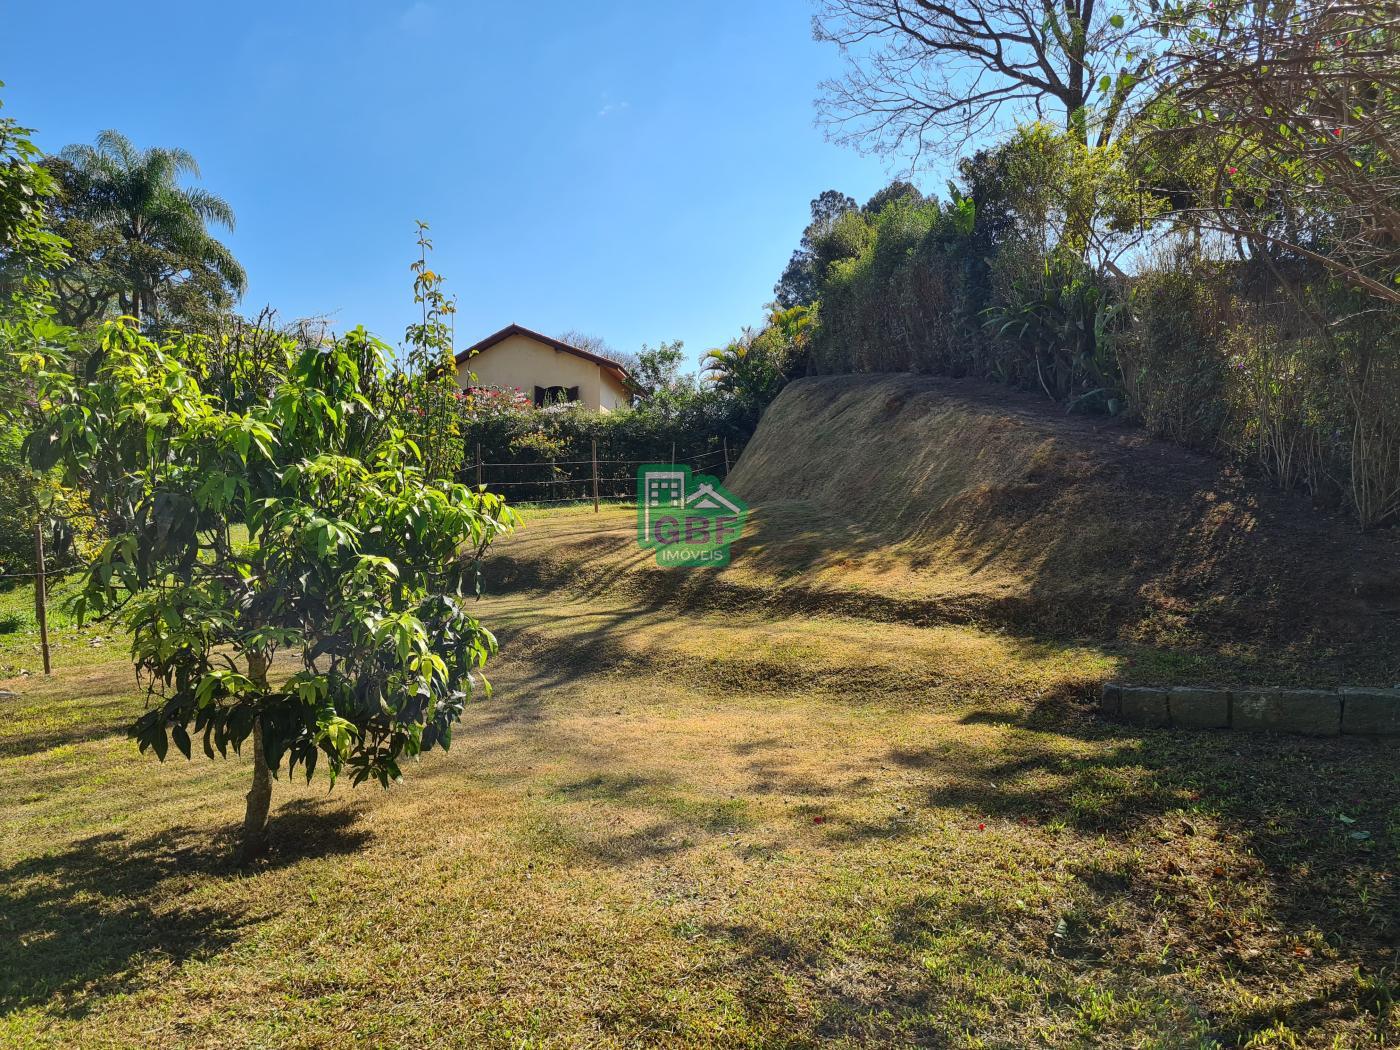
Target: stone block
1371	712
1111	700
1144	707
1194	708
1313	712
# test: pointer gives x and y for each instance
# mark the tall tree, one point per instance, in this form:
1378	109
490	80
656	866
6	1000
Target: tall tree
802	276
26	243
657	372
924	75
142	238
898	190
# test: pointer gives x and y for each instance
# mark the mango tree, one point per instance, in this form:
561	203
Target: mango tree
301	524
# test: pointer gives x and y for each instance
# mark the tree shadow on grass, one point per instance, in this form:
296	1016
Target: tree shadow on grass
101	716
1105	778
1251	846
1146	824
84	922
1310	823
817	993
643	818
84	733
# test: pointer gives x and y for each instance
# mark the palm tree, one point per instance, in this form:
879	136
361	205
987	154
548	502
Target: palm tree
161	227
725	366
757	364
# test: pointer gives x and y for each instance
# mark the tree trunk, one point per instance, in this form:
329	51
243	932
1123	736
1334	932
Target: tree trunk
259	796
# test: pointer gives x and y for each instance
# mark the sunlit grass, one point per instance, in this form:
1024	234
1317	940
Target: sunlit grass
724	827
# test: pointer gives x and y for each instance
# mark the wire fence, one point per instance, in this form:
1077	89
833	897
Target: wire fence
705	458
596	479
50	573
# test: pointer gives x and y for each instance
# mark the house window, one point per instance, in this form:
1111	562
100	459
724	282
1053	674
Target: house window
552	395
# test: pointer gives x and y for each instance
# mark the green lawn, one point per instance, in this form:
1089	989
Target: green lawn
712	827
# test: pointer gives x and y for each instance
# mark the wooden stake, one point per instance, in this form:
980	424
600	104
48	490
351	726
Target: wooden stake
595	475
673	453
726	457
41	597
479	471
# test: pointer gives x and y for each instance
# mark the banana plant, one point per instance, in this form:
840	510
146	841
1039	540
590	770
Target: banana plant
1063	324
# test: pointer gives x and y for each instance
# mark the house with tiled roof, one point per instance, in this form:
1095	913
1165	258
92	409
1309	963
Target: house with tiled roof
547	370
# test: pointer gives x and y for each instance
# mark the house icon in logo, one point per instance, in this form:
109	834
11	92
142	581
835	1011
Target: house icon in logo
707	497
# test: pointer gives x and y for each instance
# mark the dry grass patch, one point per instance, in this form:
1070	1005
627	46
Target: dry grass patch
963	504
715	830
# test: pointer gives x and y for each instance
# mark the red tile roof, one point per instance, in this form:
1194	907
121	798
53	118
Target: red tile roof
515	329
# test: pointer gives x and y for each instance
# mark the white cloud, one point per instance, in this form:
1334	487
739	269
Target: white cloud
613	107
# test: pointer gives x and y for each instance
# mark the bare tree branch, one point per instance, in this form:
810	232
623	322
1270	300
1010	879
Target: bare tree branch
932	75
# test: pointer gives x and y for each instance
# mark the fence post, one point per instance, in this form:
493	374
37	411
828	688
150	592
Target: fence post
673	453
595	475
479	471
41	597
726	457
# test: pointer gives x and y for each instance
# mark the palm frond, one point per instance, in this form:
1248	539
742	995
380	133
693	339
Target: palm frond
92	162
164	166
79	154
181	161
114	144
210	207
222	262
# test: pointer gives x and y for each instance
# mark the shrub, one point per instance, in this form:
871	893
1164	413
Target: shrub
1279	413
1319	411
546	454
897	305
356	565
26	497
1371	375
1264	358
1172	358
755	367
1058	329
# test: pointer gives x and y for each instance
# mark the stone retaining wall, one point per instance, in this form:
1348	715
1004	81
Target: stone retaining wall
1315	712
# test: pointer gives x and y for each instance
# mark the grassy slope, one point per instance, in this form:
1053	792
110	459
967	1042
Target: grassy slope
1002	509
715	829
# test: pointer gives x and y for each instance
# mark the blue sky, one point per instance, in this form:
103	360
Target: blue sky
638	170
